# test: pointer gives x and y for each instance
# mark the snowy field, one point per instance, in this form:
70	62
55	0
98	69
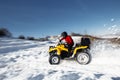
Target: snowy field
28	60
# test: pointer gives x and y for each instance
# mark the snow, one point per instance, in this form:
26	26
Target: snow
28	60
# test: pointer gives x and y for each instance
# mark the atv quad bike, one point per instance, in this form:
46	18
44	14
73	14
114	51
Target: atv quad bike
79	53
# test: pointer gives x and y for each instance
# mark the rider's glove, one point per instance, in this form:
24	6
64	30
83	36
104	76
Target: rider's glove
60	40
66	45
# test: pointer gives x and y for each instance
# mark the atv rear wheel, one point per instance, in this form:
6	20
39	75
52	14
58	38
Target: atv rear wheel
83	58
54	59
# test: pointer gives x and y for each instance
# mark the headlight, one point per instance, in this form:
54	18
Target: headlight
51	47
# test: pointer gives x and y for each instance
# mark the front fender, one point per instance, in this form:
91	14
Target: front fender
55	50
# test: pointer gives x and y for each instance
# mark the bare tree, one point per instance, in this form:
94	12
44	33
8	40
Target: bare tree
21	37
30	38
5	32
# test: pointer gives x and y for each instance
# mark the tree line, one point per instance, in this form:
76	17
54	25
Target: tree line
4	32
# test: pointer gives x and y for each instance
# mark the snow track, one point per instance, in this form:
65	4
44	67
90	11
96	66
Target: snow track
28	60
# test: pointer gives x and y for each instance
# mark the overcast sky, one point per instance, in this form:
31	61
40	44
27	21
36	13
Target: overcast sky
40	18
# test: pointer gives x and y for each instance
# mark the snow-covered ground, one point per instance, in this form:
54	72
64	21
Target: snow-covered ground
28	60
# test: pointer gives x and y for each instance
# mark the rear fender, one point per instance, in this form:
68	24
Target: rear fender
80	48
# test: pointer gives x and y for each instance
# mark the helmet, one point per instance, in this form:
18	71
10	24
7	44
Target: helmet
64	34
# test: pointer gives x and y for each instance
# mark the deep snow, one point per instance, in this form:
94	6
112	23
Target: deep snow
28	60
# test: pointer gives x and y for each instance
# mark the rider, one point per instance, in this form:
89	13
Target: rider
69	42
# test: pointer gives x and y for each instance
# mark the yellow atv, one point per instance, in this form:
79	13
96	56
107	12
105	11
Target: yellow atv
79	53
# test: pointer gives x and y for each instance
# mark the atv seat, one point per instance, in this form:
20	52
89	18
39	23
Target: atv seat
78	44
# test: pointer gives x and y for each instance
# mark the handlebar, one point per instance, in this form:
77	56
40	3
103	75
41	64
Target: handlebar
60	43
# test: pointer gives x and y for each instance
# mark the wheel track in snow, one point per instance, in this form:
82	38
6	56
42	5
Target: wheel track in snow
17	60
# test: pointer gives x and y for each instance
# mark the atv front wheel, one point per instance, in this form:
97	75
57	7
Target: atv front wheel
83	58
54	59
